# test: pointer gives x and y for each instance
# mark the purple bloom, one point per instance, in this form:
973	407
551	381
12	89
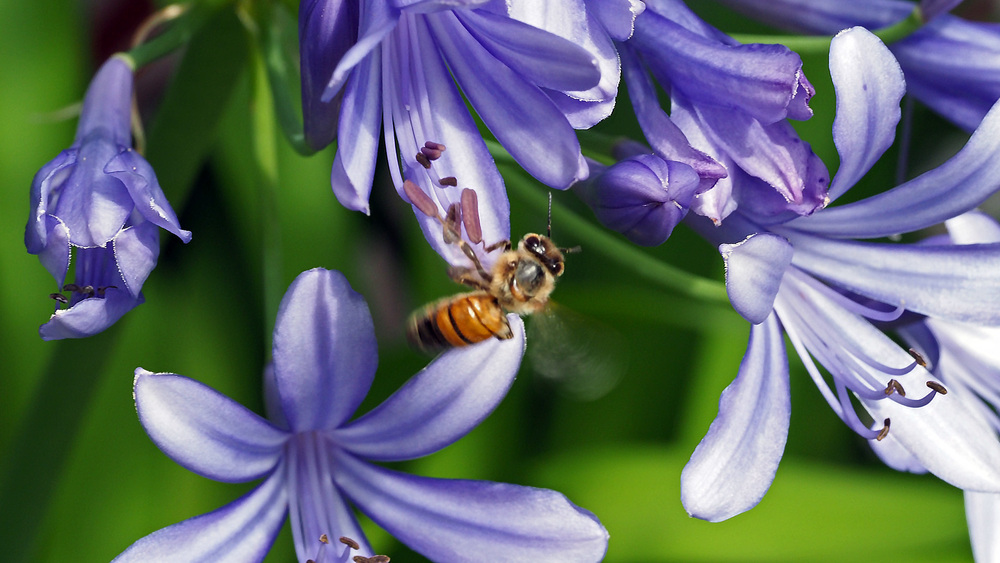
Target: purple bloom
729	108
314	460
102	199
532	71
951	64
807	279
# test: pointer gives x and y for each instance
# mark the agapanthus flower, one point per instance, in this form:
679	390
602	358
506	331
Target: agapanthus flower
809	280
729	105
532	71
952	65
314	461
99	200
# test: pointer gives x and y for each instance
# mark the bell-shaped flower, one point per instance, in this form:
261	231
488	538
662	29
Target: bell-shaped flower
831	295
100	200
532	71
729	108
952	65
315	461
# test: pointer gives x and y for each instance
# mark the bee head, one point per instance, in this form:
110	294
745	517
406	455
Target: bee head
547	253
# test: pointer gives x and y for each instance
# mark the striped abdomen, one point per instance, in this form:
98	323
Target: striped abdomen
457	321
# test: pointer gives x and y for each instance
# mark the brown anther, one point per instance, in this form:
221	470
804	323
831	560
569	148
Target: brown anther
59	297
349	542
434	146
884	431
372	559
324	539
470	216
894	387
937	387
87	290
431	154
420	199
451	232
448	181
71	287
916	356
423	160
103	288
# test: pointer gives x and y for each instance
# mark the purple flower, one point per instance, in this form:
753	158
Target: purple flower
314	460
532	71
728	116
102	199
806	278
951	64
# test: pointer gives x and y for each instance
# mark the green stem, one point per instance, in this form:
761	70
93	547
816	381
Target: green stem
178	34
821	44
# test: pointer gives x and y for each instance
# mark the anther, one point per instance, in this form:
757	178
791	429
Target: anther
372	559
431	154
420	199
59	297
324	539
349	543
894	387
916	356
434	146
71	287
87	290
451	232
937	387
470	216
450	181
423	160
884	431
103	288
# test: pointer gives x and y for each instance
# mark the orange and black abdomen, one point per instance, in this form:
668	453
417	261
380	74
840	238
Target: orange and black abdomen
457	321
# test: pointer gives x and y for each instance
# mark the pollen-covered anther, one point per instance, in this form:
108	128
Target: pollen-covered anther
420	199
894	387
372	559
449	181
349	542
59	297
937	387
918	357
434	146
324	539
430	154
884	431
470	216
423	160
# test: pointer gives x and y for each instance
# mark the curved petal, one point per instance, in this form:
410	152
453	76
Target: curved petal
137	175
518	113
205	431
136	251
93	204
869	85
89	316
754	269
956	282
360	117
239	532
46	181
107	106
377	20
327	29
957	186
617	16
894	454
56	253
324	351
457	520
735	462
982	512
439	405
974	227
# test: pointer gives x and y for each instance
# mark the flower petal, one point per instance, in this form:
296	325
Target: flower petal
89	316
754	269
108	103
55	255
360	117
982	512
205	431
378	19
439	405
735	462
324	351
617	16
974	227
327	29
869	85
136	249
46	180
458	520
239	532
894	454
138	176
93	204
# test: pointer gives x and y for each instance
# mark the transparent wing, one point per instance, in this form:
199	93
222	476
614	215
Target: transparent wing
582	358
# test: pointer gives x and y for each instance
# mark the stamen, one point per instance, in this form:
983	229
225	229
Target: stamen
420	199
372	559
894	387
59	297
349	542
430	154
71	287
103	288
937	387
449	181
434	146
423	160
324	539
884	431
470	216
916	356
451	221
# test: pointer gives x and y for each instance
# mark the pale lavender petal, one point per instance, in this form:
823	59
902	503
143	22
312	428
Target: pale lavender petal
94	205
137	175
735	463
136	249
617	16
56	253
324	351
48	179
869	85
974	227
439	405
89	316
754	269
957	186
205	431
894	454
982	512
957	282
107	105
360	117
378	19
240	532
457	520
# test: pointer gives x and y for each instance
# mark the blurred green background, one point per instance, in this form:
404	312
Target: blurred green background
80	481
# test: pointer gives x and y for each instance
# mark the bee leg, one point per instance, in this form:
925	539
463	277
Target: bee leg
504	244
467	276
504	333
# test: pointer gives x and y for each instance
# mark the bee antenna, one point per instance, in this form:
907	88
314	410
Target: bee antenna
572	250
548	231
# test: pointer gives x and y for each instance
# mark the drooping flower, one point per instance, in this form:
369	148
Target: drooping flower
729	105
100	200
808	279
315	461
951	64
532	71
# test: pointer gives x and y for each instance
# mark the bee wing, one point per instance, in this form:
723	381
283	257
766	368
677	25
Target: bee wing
581	357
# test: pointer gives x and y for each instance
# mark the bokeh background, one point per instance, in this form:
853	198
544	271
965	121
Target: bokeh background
80	481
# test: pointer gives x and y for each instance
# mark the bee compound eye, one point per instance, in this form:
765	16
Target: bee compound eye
532	242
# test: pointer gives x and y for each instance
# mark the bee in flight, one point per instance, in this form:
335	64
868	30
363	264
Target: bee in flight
520	281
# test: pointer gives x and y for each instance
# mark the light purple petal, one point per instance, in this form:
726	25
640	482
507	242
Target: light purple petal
957	282
430	6
378	19
957	186
107	106
439	405
519	114
457	520
617	16
89	316
735	462
136	250
327	29
360	117
823	17
138	176
55	255
869	85
240	532
48	179
205	431
982	512
754	269
93	204
894	454
974	227
324	351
